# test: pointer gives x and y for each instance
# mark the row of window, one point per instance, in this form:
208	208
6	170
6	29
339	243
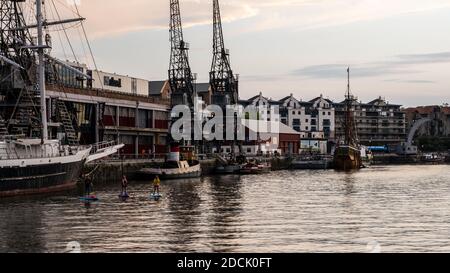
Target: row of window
300	113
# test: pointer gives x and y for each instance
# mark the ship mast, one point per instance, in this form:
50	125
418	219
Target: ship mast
41	69
347	110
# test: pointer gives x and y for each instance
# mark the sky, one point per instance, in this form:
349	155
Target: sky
396	49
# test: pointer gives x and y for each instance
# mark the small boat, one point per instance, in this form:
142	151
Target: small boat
228	169
432	158
256	168
174	168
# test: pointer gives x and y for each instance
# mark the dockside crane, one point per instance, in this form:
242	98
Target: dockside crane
181	79
224	83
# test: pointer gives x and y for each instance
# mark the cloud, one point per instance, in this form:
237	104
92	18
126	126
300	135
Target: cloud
441	57
115	17
410	81
401	64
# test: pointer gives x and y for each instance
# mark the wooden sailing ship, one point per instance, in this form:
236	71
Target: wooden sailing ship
347	155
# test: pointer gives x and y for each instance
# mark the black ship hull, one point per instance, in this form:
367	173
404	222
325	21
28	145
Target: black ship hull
39	179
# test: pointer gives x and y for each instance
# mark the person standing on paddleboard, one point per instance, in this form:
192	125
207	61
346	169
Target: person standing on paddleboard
124	186
156	184
88	185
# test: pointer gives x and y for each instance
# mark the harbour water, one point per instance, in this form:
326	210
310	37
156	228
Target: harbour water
381	209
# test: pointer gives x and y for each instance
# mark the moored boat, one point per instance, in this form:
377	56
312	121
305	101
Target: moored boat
347	155
174	167
256	167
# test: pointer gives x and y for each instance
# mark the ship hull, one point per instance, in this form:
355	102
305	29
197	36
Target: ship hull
310	165
182	172
347	158
39	179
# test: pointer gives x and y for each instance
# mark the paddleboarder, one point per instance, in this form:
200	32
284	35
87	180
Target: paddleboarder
88	186
124	186
156	185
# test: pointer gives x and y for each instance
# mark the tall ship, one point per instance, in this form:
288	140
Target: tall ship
347	155
31	160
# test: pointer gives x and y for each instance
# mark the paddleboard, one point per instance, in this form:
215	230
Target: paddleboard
155	196
124	195
89	199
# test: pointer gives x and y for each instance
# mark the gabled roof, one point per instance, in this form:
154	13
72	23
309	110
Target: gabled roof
155	87
381	101
320	98
257	97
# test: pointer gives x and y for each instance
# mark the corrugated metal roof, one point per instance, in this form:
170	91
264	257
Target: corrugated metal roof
269	127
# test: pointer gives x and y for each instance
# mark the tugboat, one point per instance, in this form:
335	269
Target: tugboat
348	153
180	164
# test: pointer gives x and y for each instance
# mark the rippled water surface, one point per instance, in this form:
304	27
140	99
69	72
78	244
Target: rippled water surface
388	209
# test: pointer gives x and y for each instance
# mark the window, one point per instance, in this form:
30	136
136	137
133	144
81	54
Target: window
296	125
110	81
299	112
134	86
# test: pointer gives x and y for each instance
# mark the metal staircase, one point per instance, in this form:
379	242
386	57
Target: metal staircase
3	130
64	117
26	118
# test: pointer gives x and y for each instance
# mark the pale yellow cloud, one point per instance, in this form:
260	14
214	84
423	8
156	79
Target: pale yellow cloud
115	17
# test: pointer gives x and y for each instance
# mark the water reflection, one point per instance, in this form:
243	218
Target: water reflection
403	208
349	183
226	207
183	198
22	229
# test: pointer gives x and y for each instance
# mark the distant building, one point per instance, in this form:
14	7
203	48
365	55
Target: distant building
438	127
262	105
315	120
377	122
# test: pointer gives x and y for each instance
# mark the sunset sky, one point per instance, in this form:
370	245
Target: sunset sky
397	49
